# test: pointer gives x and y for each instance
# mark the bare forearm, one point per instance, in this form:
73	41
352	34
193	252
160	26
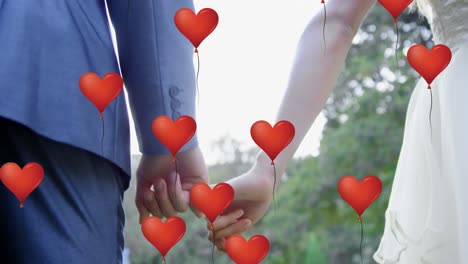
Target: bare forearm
312	79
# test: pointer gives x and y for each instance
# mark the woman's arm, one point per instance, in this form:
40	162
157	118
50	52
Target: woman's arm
314	73
311	82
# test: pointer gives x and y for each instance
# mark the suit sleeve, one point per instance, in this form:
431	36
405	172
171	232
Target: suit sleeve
156	61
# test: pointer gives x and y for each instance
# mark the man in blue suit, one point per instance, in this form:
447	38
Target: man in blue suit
75	216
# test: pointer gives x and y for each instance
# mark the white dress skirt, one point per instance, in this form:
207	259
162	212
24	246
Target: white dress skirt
427	216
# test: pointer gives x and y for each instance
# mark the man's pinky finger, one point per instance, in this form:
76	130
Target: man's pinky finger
143	212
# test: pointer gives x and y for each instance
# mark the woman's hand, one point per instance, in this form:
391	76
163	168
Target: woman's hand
253	193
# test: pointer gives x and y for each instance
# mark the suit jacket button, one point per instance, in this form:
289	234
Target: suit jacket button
175	104
175	115
174	91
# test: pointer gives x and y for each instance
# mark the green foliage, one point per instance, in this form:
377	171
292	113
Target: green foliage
365	119
314	252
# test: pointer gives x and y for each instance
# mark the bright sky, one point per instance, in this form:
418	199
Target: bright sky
244	70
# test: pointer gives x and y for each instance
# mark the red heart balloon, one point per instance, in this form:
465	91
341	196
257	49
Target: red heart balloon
359	195
429	63
211	202
101	92
272	140
174	135
395	7
247	252
196	27
21	182
163	236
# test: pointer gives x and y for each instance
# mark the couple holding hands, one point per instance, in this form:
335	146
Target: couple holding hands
76	214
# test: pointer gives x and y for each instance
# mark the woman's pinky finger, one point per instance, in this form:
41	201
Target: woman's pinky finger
224	221
237	228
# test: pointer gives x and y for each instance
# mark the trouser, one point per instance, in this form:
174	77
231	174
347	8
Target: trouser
75	216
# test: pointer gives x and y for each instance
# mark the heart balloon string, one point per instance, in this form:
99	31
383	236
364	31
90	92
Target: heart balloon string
252	251
163	236
21	181
174	135
202	197
214	242
362	237
101	92
198	71
274	184
102	137
272	140
396	48
323	29
196	27
359	195
429	64
430	112
176	175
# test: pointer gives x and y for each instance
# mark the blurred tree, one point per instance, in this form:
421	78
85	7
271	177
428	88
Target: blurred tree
365	119
362	136
314	252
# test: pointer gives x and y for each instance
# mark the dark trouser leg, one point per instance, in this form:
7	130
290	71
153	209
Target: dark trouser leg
75	216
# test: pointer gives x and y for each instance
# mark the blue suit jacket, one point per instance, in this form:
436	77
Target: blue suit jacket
46	45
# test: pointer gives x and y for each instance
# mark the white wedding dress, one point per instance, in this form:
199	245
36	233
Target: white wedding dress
427	216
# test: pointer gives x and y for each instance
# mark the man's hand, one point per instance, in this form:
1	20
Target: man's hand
253	193
159	193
